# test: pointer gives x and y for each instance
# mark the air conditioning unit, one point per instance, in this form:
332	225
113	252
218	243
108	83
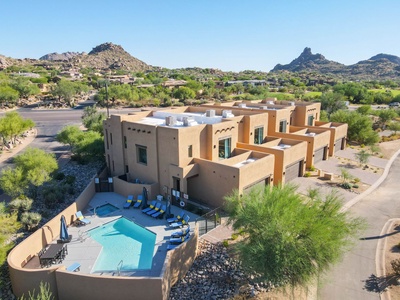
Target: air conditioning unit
242	105
291	103
227	114
264	107
170	121
210	113
188	121
270	102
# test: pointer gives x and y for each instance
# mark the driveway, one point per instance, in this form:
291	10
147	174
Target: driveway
352	278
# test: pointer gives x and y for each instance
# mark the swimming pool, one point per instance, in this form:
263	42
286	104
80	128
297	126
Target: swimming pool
123	240
104	209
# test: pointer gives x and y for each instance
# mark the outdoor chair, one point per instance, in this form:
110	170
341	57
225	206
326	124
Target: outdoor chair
177	218
181	233
179	240
80	219
160	213
154	210
185	221
152	205
138	202
128	202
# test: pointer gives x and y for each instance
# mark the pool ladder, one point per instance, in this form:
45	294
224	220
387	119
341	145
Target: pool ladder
119	266
82	235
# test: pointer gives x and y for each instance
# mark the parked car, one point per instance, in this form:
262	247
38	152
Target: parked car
394	104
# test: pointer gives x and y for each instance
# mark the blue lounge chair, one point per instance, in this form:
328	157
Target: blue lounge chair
80	219
179	240
181	233
129	201
177	218
185	221
155	209
138	202
152	205
160	212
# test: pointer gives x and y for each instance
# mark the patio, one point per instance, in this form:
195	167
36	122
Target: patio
84	250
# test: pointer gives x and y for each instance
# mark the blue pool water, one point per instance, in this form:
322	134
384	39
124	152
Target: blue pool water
104	209
123	240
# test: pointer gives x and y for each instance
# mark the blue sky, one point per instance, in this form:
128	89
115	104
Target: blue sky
229	35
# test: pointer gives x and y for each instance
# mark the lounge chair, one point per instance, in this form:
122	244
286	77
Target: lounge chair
80	219
155	209
129	201
160	212
185	221
152	205
138	202
179	240
181	233
177	218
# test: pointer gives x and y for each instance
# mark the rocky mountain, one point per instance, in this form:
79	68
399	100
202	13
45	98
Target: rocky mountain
308	61
59	57
381	66
4	62
109	56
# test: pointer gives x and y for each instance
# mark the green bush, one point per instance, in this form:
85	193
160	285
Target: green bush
30	220
312	169
234	236
225	243
43	294
355	186
20	205
70	179
346	185
59	176
307	174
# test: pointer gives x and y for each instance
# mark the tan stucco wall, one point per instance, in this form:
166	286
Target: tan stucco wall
67	285
125	188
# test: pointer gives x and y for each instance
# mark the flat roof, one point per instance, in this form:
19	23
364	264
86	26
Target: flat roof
159	118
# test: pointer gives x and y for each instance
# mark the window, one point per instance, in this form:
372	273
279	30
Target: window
310	121
107	140
224	148
141	154
125	142
258	135
110	138
190	151
282	126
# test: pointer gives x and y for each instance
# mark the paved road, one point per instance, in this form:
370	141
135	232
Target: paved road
351	279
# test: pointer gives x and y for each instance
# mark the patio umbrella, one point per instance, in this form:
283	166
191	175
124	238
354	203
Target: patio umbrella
64	237
168	211
144	196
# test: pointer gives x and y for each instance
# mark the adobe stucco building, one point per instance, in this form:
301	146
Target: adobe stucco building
207	151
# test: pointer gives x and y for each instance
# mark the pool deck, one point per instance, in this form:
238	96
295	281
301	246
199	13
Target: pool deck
84	250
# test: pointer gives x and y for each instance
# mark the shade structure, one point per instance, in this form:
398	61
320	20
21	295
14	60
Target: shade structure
64	237
144	196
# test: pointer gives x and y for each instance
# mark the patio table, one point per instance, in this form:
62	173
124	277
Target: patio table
50	255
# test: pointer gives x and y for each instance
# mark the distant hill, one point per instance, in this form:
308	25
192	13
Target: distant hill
381	66
109	56
4	62
59	57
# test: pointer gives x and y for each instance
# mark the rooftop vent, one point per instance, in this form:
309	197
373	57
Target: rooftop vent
227	114
210	113
270	102
263	107
170	121
291	103
188	121
242	105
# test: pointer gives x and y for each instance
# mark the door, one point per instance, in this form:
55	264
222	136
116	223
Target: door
293	171
319	155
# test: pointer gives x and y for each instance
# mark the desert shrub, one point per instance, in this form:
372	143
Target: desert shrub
30	220
312	169
53	195
234	236
356	180
43	294
59	176
20	205
70	179
355	186
396	266
225	243
345	185
307	174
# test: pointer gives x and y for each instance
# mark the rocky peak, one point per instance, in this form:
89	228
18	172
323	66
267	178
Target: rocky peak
56	56
106	47
392	58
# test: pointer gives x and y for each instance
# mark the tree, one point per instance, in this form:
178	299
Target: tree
183	93
25	88
394	126
8	95
385	116
286	238
364	110
359	126
93	119
66	90
331	102
12	125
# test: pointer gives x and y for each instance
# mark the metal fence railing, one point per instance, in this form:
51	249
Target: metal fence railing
209	220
